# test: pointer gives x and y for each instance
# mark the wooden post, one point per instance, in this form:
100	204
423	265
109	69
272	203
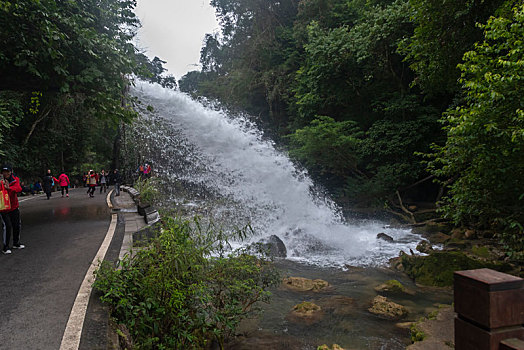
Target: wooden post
489	307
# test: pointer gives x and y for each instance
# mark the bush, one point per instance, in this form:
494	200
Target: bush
185	288
148	189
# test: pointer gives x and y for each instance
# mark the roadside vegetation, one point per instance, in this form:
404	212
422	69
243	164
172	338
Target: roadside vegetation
187	289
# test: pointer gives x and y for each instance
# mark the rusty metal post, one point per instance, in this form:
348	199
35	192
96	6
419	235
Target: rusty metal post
489	307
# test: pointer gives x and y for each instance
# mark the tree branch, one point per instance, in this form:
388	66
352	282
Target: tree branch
35	123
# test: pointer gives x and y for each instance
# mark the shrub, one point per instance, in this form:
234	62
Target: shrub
185	288
148	189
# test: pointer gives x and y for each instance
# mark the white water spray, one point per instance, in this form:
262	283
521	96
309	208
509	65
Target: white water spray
229	156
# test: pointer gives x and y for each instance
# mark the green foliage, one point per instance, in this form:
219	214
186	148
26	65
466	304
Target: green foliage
11	113
484	152
444	31
66	66
185	288
328	146
148	188
416	334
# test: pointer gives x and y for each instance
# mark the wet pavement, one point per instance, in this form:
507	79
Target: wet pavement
38	284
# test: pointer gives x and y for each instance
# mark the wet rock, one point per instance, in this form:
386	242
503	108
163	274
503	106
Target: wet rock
307	313
301	284
439	238
469	234
392	287
274	246
385	308
432	228
385	237
403	325
338	305
434	332
457	234
396	264
412	208
424	247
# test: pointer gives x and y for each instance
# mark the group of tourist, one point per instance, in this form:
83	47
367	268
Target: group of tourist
92	179
144	170
10	187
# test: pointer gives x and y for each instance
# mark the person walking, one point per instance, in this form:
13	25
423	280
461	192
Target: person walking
103	181
91	182
63	181
116	179
11	216
48	182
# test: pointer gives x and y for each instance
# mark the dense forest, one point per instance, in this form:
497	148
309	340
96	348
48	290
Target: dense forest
65	68
384	101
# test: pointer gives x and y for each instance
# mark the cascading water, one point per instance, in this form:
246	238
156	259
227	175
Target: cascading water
250	181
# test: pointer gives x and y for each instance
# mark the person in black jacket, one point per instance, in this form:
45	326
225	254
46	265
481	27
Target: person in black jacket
48	181
116	179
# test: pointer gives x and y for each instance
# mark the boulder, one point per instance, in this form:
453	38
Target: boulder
301	284
424	247
307	313
274	246
392	287
385	308
384	237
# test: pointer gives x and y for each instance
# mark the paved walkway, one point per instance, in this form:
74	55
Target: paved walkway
39	284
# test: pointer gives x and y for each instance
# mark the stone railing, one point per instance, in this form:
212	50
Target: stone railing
490	310
149	213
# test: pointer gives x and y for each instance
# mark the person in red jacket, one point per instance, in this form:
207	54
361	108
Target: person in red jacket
63	181
11	217
91	182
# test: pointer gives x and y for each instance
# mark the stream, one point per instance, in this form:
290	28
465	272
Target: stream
220	166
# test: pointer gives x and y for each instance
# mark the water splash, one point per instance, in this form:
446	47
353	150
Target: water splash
239	176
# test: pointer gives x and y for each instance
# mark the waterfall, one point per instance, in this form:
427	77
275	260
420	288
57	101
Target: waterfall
240	176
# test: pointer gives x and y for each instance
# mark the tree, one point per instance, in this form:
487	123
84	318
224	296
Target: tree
66	68
484	152
444	31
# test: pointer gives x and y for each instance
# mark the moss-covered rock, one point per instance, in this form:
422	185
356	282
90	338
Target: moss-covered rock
306	312
334	347
393	287
385	308
437	268
301	284
424	247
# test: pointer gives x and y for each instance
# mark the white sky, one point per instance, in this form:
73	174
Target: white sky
174	31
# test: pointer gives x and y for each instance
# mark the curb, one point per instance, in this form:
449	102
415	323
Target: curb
149	214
